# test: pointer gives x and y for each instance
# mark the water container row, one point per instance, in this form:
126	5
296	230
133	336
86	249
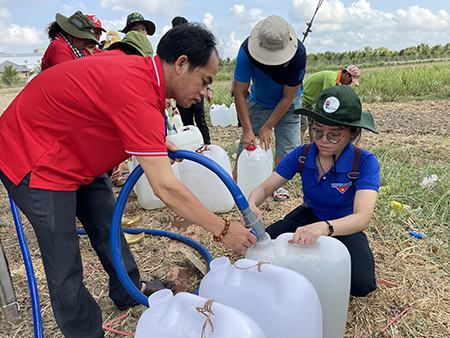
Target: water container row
223	116
285	290
249	299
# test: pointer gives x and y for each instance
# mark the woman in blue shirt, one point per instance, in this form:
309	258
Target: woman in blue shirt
339	182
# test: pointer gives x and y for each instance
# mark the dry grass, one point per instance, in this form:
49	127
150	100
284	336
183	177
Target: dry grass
413	297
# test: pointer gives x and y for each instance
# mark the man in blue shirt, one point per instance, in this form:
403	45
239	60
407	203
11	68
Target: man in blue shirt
273	61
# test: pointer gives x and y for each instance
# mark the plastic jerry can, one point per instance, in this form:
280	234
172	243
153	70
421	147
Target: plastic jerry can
254	166
205	184
233	115
145	195
281	301
189	316
176	121
326	265
186	138
219	115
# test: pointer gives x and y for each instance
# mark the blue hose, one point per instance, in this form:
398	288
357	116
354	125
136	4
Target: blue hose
116	253
32	285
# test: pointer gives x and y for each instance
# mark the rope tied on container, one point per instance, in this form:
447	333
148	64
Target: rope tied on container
257	265
206	310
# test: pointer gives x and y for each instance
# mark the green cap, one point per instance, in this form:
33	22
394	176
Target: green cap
135	40
77	25
340	106
139	18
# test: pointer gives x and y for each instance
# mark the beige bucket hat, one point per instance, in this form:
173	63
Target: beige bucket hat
272	41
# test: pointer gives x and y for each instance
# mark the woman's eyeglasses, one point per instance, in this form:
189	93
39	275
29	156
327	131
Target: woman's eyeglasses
333	137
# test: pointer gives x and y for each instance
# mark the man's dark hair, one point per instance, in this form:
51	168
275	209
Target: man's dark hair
178	20
191	39
54	29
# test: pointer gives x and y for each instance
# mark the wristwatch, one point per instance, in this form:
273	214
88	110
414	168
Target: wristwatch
330	228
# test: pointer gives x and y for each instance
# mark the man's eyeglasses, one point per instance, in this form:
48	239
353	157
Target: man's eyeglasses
333	137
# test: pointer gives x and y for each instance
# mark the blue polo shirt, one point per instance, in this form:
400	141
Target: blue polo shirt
334	195
268	81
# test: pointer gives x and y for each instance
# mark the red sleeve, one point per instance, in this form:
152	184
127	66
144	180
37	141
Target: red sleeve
141	126
57	52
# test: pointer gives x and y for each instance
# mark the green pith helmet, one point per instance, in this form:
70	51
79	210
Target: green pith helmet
340	106
139	18
137	41
77	25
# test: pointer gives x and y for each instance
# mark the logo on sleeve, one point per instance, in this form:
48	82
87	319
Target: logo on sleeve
341	187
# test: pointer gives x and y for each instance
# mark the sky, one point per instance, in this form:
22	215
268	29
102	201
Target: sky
339	25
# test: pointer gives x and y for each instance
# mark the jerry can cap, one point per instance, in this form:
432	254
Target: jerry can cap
251	147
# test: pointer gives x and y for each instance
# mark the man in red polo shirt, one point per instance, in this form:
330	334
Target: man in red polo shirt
75	121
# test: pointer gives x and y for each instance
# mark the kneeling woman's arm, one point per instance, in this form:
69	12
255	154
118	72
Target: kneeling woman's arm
265	190
363	208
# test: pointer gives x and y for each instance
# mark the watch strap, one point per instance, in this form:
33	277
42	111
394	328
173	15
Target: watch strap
330	228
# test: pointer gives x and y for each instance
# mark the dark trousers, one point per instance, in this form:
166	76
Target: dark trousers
53	217
362	262
197	111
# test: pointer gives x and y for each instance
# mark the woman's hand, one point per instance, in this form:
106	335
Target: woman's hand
308	234
255	209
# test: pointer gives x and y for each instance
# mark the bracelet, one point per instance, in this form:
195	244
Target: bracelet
224	231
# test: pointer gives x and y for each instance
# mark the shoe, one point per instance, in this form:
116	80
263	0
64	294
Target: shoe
150	287
280	195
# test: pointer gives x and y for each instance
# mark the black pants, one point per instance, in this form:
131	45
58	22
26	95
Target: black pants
53	217
197	111
362	262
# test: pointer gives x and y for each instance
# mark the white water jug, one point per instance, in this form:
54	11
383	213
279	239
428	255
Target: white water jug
144	192
219	115
281	301
187	138
176	121
254	166
327	266
189	316
233	115
205	184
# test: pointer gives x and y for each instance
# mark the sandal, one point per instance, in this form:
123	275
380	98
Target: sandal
280	195
151	287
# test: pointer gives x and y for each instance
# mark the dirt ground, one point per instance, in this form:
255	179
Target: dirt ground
425	123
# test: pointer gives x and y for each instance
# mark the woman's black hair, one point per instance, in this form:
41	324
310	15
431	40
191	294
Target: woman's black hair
355	134
54	29
191	39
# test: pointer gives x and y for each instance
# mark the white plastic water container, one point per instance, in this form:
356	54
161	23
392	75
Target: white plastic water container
254	166
144	192
281	301
327	266
176	121
187	138
233	115
181	316
205	184
219	115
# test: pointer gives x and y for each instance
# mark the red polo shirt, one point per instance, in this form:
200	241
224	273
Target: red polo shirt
79	119
58	51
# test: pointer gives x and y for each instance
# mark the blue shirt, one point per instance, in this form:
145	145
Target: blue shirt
268	81
334	195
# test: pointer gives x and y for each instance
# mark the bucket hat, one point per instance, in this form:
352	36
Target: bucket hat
272	41
77	25
340	106
356	74
136	40
139	18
